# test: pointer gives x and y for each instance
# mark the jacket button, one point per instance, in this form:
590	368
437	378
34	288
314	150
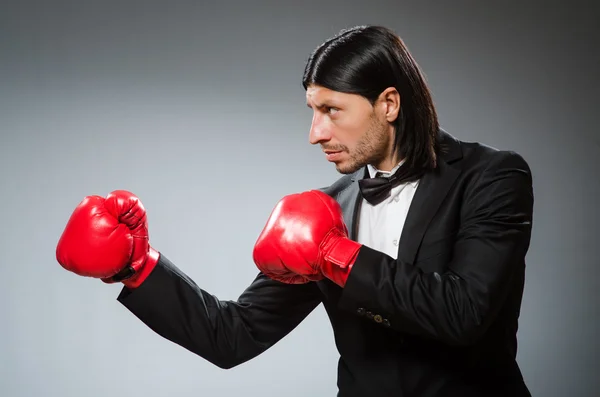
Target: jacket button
377	318
360	311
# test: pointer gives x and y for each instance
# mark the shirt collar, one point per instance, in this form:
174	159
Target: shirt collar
373	171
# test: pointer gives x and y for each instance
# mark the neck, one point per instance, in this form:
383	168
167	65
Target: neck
387	164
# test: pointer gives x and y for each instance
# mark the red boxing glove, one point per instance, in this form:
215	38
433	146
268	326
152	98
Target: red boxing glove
107	238
306	239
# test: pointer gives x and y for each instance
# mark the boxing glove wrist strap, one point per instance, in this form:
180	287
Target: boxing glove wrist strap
132	277
144	271
338	254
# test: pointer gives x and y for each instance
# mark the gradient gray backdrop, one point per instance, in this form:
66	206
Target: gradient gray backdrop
198	109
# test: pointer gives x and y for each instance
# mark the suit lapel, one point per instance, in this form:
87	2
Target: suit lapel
350	200
430	194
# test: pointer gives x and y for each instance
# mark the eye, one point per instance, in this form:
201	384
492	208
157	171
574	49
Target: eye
331	110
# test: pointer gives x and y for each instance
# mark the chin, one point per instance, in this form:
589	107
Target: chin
346	167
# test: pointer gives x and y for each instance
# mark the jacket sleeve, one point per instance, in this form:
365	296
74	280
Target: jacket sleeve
224	332
458	306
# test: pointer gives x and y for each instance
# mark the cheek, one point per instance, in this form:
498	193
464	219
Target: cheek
349	129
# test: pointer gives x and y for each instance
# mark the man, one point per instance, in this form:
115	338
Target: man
417	253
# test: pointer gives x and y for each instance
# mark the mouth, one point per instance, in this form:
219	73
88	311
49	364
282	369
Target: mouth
333	155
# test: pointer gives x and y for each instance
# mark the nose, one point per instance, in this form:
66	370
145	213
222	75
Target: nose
318	130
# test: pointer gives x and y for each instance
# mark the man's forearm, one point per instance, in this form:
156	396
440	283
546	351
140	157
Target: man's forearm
400	296
226	333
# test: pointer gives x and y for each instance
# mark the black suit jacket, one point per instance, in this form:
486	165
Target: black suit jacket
441	320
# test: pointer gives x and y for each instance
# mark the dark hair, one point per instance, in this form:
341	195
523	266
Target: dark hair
365	60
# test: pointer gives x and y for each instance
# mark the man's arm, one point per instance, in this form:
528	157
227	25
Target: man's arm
457	306
226	333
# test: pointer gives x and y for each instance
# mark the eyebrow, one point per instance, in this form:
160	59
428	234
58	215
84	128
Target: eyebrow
320	106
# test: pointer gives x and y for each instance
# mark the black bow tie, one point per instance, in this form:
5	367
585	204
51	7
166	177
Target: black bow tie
377	189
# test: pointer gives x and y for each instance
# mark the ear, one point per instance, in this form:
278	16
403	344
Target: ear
390	100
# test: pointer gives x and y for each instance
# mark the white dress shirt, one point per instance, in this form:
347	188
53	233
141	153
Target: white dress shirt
380	226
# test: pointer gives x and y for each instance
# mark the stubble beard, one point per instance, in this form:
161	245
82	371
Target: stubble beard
372	148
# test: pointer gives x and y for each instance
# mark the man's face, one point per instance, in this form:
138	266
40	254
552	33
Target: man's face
351	132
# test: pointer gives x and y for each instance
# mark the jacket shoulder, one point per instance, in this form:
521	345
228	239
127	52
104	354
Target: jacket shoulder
340	184
483	156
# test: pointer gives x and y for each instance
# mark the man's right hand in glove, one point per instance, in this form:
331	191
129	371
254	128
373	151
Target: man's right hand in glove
107	238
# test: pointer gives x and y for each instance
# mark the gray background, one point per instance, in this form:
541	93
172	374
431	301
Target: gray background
198	109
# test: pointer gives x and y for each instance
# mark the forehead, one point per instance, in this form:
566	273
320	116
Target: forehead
319	95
